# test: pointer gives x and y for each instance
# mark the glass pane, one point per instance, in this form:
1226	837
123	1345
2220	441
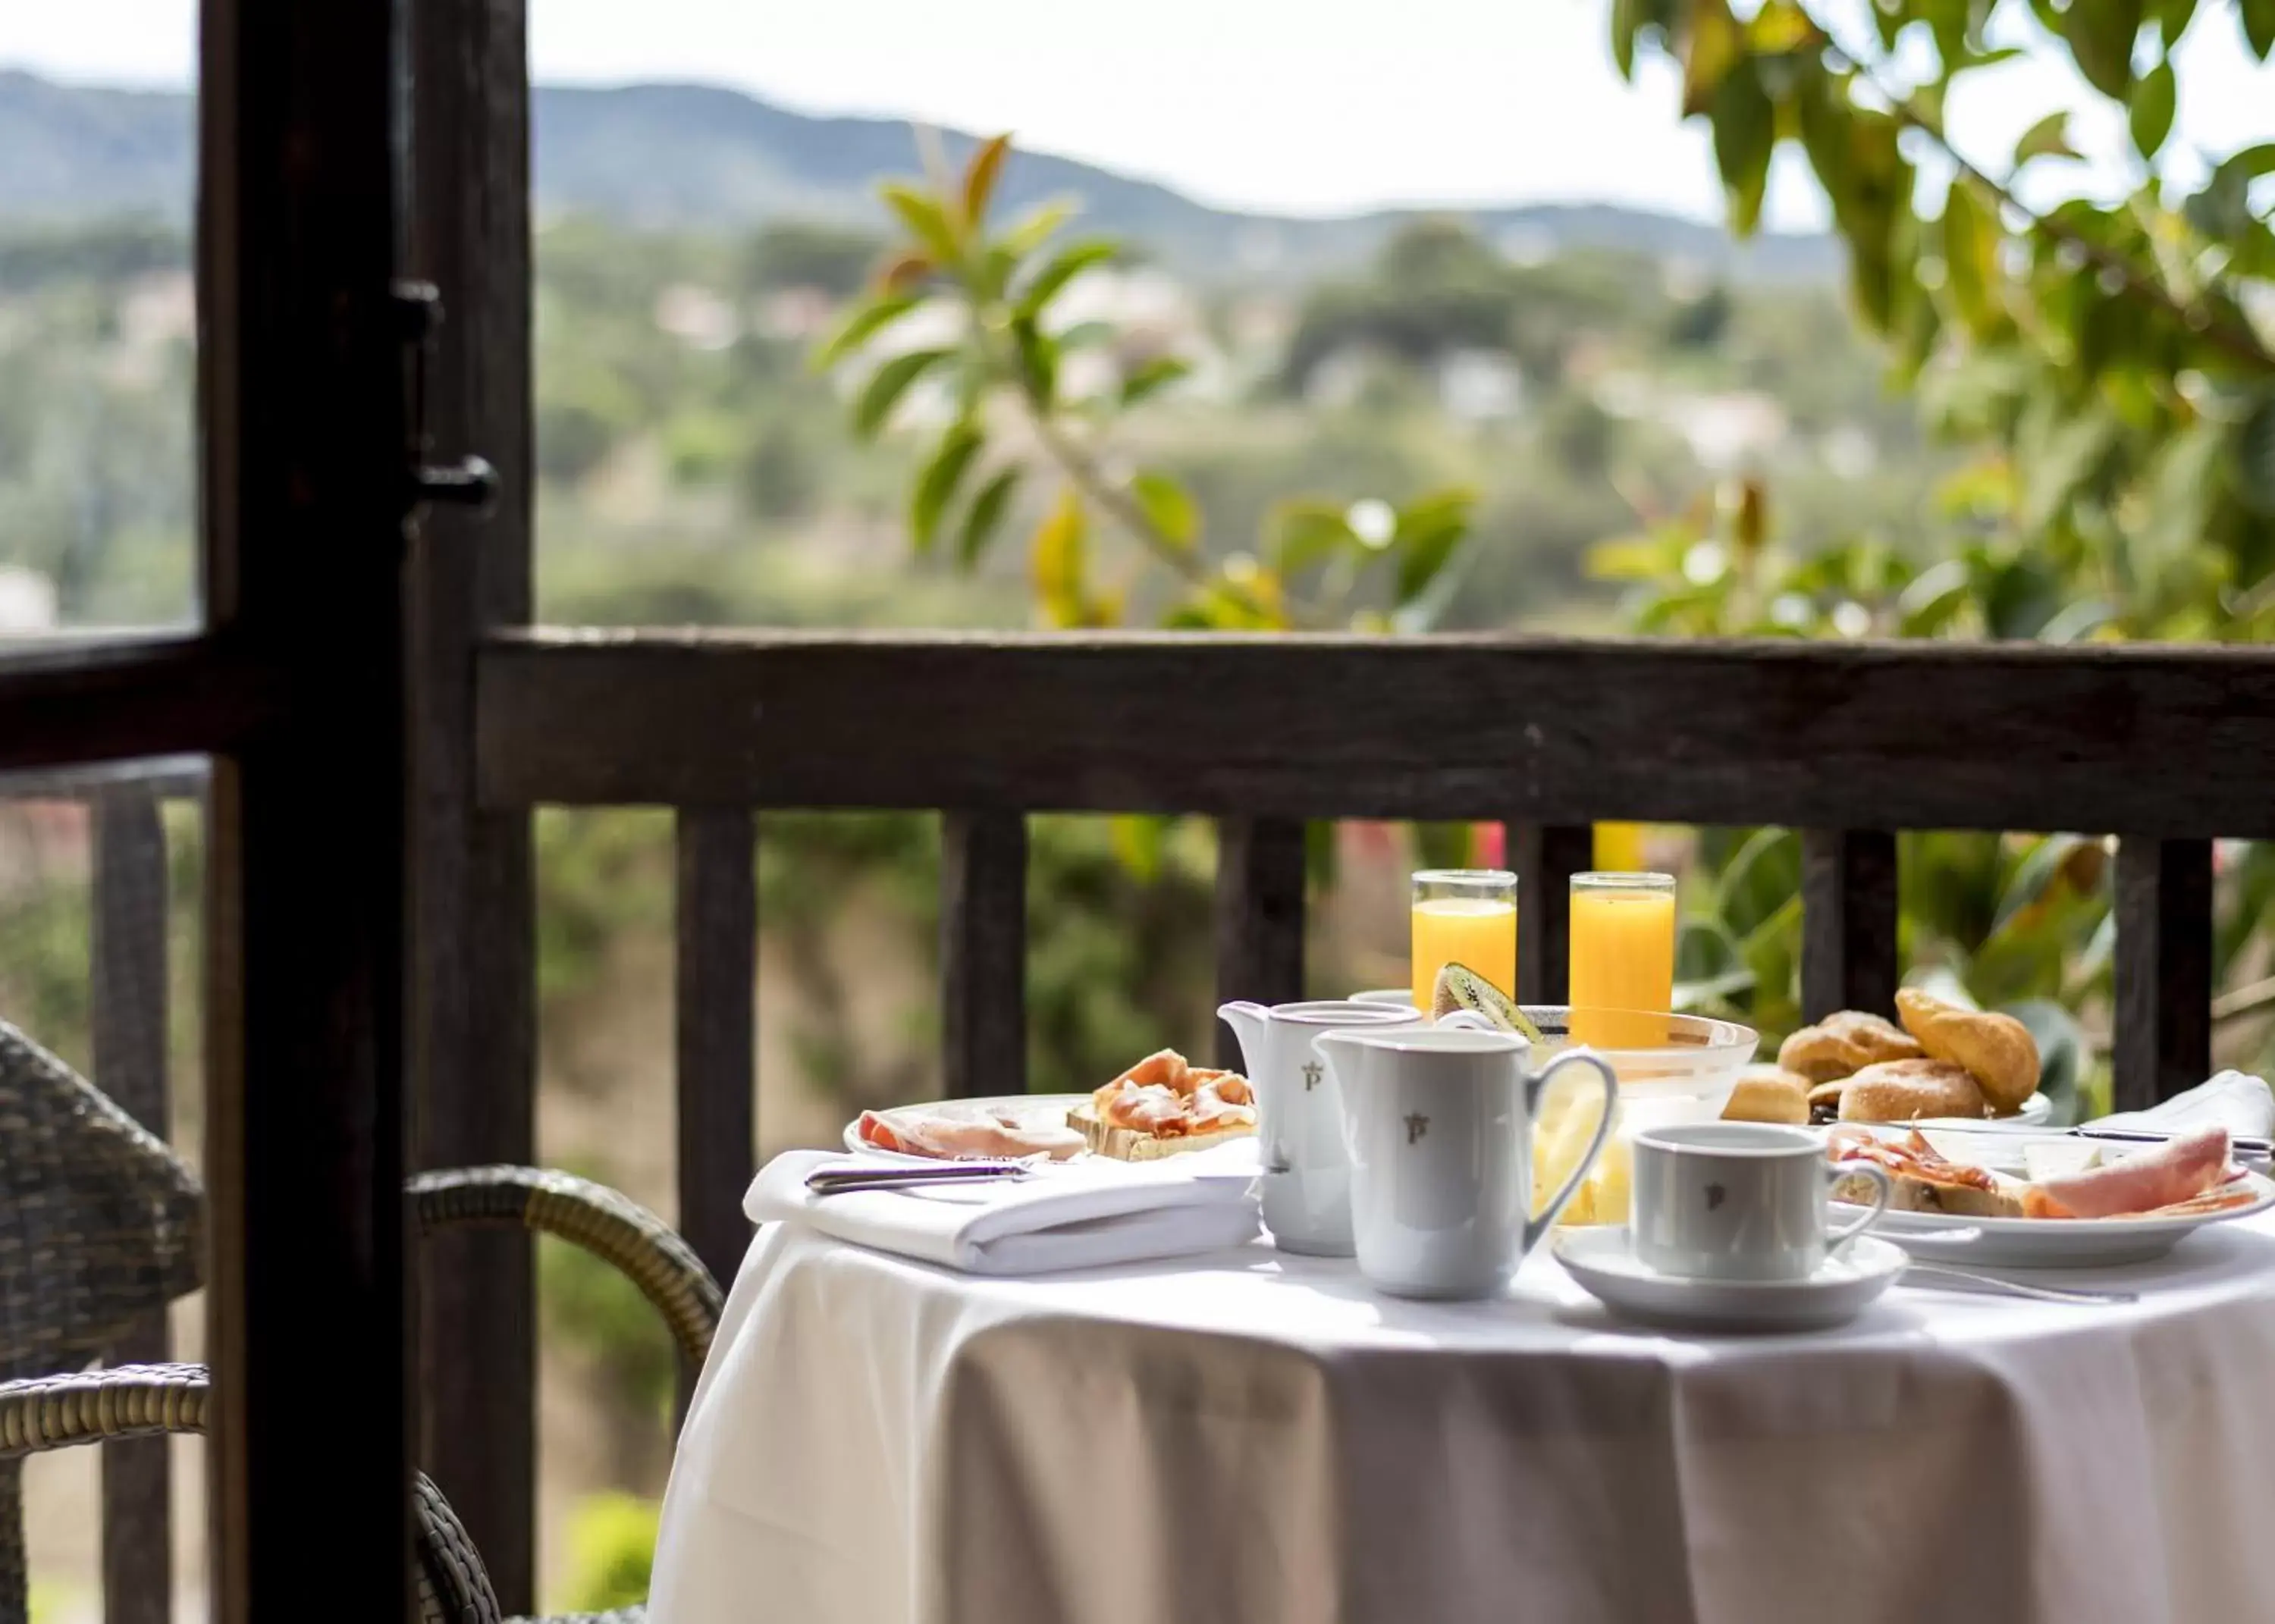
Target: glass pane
102	890
98	320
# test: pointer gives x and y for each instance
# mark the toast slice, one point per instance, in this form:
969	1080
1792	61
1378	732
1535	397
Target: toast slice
1130	1144
1912	1194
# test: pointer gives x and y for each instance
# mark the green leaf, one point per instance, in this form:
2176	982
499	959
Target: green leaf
2043	867
1168	508
888	384
979	177
1633	558
2255	457
1429	531
1055	559
938	481
1745	133
1305	532
868	319
2258	17
1034	228
2100	35
2063	1052
1138	840
984	517
1626	19
1714	45
1063	268
1038	360
2151	112
1150	377
925	220
1971	255
2049	138
2172	19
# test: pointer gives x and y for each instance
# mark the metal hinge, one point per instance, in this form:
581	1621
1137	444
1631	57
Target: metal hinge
469	482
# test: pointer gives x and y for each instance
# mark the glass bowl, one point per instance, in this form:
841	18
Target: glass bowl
1685	1075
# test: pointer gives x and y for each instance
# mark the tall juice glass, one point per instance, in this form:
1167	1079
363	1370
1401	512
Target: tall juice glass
1463	916
1622	935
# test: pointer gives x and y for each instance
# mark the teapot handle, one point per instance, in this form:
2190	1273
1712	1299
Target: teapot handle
1535	1228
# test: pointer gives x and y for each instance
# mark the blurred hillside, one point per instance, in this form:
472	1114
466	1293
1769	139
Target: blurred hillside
695	156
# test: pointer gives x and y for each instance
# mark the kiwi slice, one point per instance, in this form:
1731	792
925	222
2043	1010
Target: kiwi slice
1460	987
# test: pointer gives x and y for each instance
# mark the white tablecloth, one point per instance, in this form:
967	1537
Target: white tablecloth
1255	1437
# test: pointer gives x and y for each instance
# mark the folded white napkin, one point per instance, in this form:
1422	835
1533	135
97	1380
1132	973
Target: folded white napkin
1070	1215
2235	1101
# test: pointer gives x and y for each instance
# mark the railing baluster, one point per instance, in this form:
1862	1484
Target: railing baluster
1259	916
1546	855
1848	922
983	952
717	1031
2164	968
129	942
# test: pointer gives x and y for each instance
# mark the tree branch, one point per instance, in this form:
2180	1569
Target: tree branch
2238	341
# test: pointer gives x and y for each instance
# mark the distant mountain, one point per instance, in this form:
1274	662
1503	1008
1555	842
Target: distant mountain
698	156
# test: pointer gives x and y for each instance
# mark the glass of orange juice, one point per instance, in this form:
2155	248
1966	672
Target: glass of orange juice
1622	937
1463	916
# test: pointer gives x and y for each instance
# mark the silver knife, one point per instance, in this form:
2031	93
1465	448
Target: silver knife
840	1179
2241	1144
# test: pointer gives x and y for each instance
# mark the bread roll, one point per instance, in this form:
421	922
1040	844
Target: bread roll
1843	1043
1767	1094
1997	1049
1904	1091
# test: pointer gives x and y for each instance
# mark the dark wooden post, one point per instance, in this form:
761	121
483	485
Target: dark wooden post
1546	856
1848	922
2164	968
300	382
128	943
1259	916
983	952
473	961
716	1029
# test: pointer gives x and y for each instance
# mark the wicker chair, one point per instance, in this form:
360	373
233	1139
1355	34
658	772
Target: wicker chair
105	1218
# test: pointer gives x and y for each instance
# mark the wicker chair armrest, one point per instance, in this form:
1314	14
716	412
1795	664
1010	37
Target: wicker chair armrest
142	1400
611	1225
133	1401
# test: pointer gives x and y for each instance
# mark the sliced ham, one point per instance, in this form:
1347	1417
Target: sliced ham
2178	1170
953	1137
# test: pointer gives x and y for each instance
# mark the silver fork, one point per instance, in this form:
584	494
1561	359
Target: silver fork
2076	1294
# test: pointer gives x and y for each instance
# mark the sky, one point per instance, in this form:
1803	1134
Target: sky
1293	106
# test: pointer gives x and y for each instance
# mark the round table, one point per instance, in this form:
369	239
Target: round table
1258	1438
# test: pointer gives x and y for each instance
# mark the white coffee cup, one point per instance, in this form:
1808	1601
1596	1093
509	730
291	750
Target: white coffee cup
1306	1181
1394	997
1438	1121
1739	1201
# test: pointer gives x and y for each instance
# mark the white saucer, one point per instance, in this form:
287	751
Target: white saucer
1605	1267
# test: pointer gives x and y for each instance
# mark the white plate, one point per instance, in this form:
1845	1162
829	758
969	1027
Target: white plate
1607	1268
2059	1243
1027	1110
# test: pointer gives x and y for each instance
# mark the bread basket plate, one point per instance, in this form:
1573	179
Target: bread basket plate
2059	1243
1027	1110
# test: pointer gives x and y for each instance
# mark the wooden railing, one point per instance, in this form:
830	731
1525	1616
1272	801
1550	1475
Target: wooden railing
2165	748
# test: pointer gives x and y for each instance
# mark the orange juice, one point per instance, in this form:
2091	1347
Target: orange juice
1477	932
1622	957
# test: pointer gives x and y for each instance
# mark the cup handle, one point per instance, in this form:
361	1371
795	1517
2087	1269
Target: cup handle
1836	1239
1535	1228
1469	1021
